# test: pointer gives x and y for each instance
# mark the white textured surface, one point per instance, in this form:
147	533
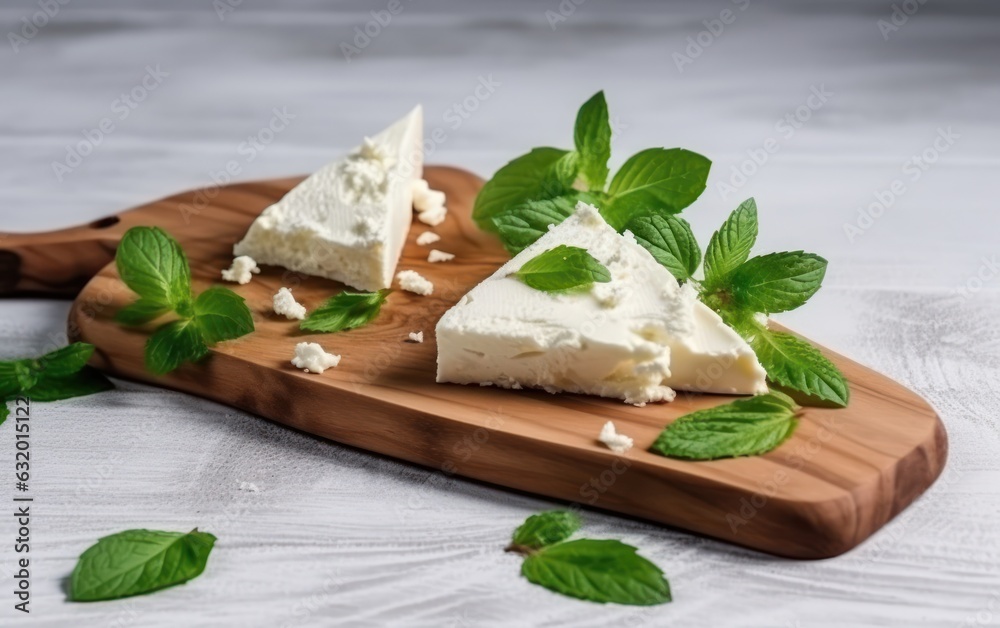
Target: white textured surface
336	536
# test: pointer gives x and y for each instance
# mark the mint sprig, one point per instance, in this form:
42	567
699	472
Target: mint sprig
135	562
347	310
60	374
655	181
742	290
154	266
604	571
562	268
745	427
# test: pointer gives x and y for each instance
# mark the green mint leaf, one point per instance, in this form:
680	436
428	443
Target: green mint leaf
86	381
9	383
152	264
730	246
140	312
521	225
67	360
671	243
656	180
26	374
592	136
599	571
745	427
562	268
522	179
347	310
793	363
134	562
546	528
776	282
173	344
4	411
221	314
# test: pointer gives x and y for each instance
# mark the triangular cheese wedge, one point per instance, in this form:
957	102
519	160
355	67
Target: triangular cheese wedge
636	338
349	220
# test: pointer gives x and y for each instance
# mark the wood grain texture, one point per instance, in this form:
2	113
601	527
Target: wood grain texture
842	476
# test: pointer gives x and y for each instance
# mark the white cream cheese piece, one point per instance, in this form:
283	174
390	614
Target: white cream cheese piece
436	256
412	281
242	270
618	443
416	336
636	338
427	237
286	305
349	220
430	204
311	358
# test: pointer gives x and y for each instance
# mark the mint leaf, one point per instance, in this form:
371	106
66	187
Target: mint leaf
670	241
599	571
562	268
521	225
730	246
777	282
4	411
546	528
524	178
592	136
134	562
173	344
152	264
745	427
793	363
140	312
9	384
67	360
26	374
656	180
221	314
347	310
87	381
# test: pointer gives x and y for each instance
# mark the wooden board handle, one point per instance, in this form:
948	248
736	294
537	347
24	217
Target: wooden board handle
57	263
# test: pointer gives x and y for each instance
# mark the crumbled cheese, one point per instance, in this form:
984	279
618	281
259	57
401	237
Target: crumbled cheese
618	443
439	256
426	199
412	281
242	270
311	358
416	336
286	305
434	216
249	487
427	237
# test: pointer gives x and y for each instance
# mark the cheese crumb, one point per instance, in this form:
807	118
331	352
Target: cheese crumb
618	443
416	336
249	487
426	199
286	305
242	270
439	256
427	237
434	216
412	281
311	358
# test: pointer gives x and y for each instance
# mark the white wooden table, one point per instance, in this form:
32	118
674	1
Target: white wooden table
335	536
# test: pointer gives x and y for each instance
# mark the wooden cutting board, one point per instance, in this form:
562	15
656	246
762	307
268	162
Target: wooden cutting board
842	475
